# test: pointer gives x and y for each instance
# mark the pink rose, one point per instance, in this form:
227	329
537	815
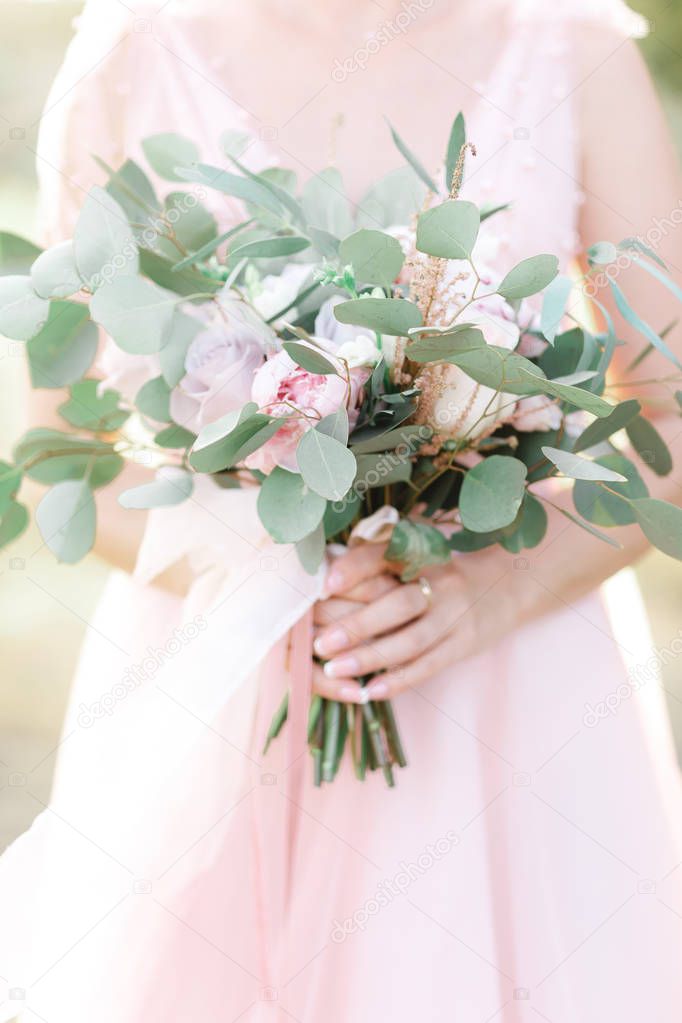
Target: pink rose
281	388
220	365
537	412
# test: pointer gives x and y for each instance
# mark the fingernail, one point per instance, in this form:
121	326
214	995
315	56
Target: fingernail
353	694
377	690
330	642
334	580
342	667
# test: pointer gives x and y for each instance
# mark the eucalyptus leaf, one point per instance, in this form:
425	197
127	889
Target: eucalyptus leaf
455	143
172	486
326	465
598	505
573	395
213	452
528	277
167	151
10	481
463	338
236	185
391	200
65	348
175	437
335	425
325	203
186	282
90	408
270	248
491	493
589	528
183	329
411	437
649	445
414	163
628	313
17	254
449	230
395	316
13	522
311	549
554	306
153	400
54	273
415	546
339	515
310	358
376	258
579	468
66	519
602	253
499	369
135	312
193	225
601	429
529	526
661	523
22	312
288	508
103	242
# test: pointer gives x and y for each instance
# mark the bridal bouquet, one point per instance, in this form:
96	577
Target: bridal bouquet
374	376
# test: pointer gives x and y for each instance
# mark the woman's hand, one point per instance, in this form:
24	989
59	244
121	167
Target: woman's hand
372	623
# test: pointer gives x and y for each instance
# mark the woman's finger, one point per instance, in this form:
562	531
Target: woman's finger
328	612
389	651
396	608
360	563
397	680
372	589
346	690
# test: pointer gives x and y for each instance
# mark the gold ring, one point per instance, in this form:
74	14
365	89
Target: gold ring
425	586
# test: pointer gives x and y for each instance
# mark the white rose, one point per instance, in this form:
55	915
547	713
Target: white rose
275	292
361	351
537	412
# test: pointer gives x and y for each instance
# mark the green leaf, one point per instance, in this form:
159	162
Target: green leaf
103	242
601	429
639	246
391	200
311	549
449	230
414	163
602	253
492	493
528	277
499	369
455	143
415	545
88	409
228	441
183	282
51	455
133	191
573	395
282	184
335	425
463	338
288	508
579	468
661	523
554	306
193	224
54	273
376	258
175	437
326	465
635	321
412	437
529	526
22	312
310	358
649	445
394	316
325	204
153	400
339	515
183	329
65	348
172	486
135	312
597	505
10	481
210	247
270	248
67	520
167	151
564	355
382	468
17	254
235	143
489	209
13	523
240	187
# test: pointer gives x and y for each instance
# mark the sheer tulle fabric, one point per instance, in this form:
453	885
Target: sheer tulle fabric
525	867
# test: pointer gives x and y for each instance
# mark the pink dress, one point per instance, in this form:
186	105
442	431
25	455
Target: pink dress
527	866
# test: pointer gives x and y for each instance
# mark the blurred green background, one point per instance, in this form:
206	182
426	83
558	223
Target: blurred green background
42	618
